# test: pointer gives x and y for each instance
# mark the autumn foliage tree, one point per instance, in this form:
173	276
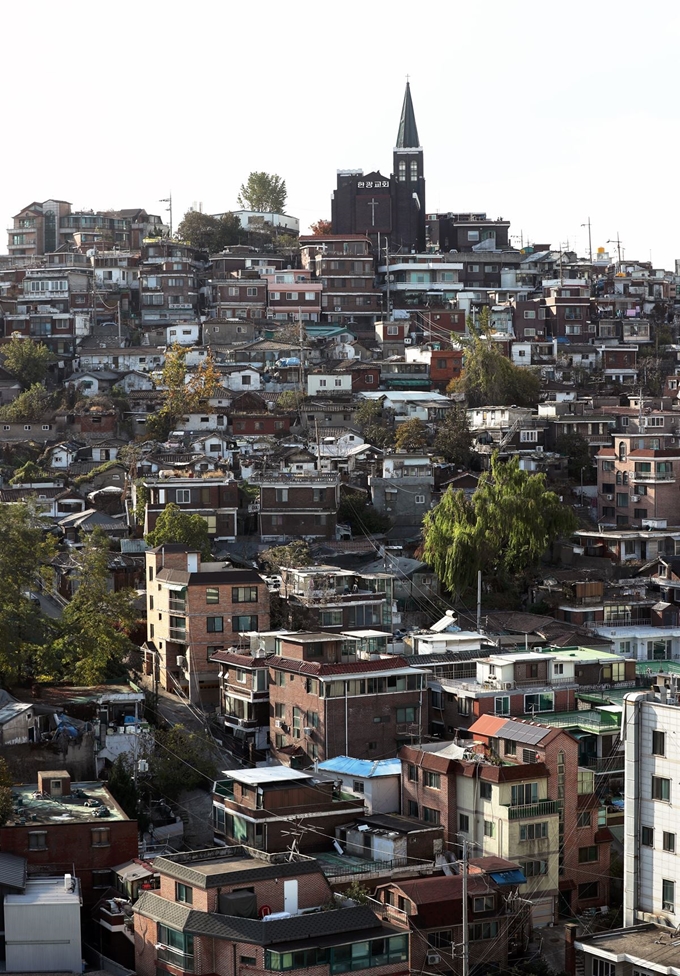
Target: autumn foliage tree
321	228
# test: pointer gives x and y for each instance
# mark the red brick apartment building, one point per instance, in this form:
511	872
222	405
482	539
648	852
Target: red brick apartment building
59	828
294	505
194	609
237	912
328	699
636	479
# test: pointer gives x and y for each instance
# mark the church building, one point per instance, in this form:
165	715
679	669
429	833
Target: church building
387	207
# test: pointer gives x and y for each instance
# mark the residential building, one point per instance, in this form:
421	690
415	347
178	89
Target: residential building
636	480
330	697
243	295
214	499
376	782
444	364
238	912
300	504
293	295
256	807
194	608
642	948
345	267
41	920
339	600
651	883
403	490
244	699
61	827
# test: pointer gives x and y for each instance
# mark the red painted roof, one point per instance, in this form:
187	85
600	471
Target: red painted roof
487	725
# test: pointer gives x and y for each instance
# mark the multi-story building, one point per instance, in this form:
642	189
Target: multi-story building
377	782
293	295
255	807
444	364
169	289
300	504
36	228
463	232
194	609
403	489
329	697
244	698
214	499
331	599
651	882
233	911
59	826
243	295
636	479
567	309
345	267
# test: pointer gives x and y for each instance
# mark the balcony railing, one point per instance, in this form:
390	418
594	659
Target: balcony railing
178	634
177	606
183	960
652	476
542	808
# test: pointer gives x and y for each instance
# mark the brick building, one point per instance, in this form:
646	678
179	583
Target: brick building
236	912
244	699
328	697
214	499
345	266
194	609
294	505
636	479
255	807
293	295
242	295
336	600
59	828
248	416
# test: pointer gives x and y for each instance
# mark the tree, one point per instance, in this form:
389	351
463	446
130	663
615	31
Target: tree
174	525
5	792
294	555
289	401
30	473
356	511
577	451
488	377
321	228
32	404
503	530
22	551
208	233
453	439
182	760
182	396
411	435
263	192
94	642
375	423
27	360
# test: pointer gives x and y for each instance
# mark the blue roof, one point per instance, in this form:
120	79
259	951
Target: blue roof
362	767
508	877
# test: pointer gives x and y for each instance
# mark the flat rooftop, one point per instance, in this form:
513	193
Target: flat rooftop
650	946
46	891
30	808
265	774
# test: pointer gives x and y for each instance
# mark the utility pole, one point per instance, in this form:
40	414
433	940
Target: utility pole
168	200
590	242
616	240
479	600
466	937
387	279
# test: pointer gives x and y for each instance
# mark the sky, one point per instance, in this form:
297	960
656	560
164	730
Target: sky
546	115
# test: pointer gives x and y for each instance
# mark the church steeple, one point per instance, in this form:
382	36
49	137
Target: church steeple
407	137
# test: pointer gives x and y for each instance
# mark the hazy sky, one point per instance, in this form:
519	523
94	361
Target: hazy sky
541	113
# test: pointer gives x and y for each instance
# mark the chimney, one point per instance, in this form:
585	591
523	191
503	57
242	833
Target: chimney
570	948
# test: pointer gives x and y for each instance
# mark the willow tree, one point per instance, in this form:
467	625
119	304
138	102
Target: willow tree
503	530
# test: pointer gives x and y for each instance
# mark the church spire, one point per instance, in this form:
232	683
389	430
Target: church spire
407	137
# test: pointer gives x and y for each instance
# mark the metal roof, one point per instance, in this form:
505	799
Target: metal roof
12	871
265	774
363	768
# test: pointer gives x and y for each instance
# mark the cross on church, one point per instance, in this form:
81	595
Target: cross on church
373	204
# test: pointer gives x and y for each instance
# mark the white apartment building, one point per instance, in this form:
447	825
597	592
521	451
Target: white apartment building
651	734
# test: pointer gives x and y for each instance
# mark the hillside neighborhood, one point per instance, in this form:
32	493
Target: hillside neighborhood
341	608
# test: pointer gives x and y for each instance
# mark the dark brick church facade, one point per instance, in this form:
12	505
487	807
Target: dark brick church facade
391	207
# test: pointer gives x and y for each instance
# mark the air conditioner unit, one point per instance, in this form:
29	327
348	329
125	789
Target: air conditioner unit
279	723
433	958
508	685
635	498
308	730
407	341
610	498
337	308
181	661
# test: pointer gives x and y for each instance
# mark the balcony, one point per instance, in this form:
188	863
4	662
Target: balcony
178	635
177	606
542	808
651	476
182	960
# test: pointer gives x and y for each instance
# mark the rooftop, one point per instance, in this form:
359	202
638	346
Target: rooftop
365	768
650	946
265	774
83	805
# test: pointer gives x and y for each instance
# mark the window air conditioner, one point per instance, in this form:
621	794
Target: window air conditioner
279	723
308	730
407	341
433	958
610	498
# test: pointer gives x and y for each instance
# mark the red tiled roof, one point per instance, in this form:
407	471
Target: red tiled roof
487	725
240	660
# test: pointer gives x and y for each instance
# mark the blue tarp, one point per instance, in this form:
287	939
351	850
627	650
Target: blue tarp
508	877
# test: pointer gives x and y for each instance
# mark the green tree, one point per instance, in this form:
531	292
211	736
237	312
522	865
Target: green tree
453	439
577	451
503	530
94	642
294	555
174	525
22	551
208	233
411	435
182	760
27	360
32	404
488	377
264	192
289	401
182	396
376	423
30	473
356	511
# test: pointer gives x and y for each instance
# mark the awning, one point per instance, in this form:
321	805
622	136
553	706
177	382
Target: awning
508	877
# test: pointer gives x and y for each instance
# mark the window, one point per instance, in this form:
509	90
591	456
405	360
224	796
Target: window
358	786
533	831
661	788
669	842
440	940
177	948
483	930
412	773
590	889
668	895
248	960
583	819
473	235
658	743
101	879
539	703
101	836
37	840
488	828
523	794
587	854
502	705
214	625
510	747
430	815
463	823
483	903
412	808
533	869
183	496
244	594
407	715
433	780
485	791
586	781
414	171
243	623
184	893
282	494
602	967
